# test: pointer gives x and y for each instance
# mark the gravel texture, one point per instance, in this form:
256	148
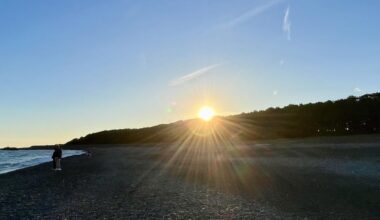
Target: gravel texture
274	180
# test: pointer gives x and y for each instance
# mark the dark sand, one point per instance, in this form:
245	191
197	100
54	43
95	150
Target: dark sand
328	178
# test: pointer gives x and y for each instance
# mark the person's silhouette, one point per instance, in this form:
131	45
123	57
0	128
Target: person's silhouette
57	155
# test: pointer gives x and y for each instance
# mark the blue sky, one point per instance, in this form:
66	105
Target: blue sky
68	68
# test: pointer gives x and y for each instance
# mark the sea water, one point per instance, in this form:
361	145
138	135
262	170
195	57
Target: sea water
11	160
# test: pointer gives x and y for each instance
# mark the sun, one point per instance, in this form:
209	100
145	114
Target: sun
206	113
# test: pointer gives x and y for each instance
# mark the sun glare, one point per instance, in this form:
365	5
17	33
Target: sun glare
206	113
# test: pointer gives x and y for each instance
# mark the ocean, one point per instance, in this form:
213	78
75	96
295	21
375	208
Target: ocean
11	160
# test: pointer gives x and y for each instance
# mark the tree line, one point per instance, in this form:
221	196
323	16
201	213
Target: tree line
353	115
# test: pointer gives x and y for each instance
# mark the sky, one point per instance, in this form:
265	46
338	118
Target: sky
73	67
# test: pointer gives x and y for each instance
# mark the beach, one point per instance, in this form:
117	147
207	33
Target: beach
317	178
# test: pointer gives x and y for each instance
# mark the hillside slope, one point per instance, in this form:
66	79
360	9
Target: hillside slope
353	115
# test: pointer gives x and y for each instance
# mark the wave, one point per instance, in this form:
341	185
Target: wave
11	160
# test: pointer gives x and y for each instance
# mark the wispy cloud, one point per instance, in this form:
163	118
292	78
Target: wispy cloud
358	90
193	75
286	24
244	17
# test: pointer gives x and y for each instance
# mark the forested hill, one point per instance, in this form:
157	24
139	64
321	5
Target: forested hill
353	115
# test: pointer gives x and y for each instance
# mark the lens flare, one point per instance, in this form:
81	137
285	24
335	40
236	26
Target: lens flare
206	113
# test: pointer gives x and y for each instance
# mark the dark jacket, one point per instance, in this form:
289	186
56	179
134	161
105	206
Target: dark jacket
57	153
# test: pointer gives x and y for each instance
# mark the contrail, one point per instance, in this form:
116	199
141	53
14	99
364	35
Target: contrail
286	24
192	75
249	14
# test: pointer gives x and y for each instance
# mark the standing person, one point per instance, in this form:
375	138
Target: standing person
54	156
57	155
58	158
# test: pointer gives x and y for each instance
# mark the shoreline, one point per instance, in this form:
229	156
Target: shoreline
295	181
40	163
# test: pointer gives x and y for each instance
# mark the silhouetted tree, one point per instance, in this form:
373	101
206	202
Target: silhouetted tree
353	115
